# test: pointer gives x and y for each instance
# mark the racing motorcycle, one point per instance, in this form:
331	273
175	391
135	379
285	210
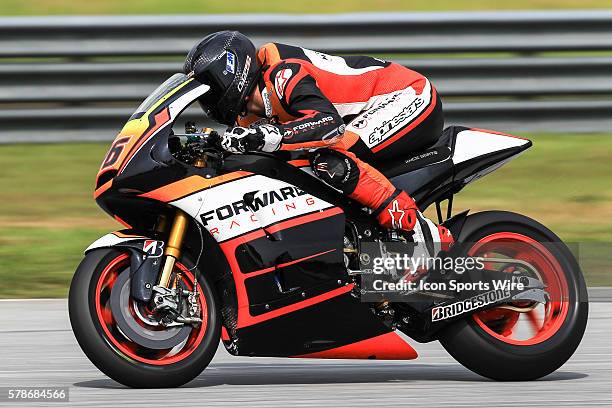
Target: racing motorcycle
255	252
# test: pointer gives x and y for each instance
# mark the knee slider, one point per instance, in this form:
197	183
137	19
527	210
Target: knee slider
335	169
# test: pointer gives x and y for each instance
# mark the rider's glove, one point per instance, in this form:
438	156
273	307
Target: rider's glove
265	138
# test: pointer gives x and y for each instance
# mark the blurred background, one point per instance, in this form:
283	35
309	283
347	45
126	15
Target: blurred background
72	71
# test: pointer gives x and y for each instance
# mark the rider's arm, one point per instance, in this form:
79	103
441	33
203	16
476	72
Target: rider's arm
317	121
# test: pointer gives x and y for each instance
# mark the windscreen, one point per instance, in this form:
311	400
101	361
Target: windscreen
171	83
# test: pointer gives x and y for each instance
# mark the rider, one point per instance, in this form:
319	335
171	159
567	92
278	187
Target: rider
350	112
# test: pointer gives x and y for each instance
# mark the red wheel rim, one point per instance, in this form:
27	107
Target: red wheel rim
542	322
123	344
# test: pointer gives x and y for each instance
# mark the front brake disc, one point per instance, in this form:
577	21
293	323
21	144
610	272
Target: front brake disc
142	331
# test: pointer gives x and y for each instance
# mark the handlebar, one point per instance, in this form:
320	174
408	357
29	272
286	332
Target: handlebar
192	146
210	139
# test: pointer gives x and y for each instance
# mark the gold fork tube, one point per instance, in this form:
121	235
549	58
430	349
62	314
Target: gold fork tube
173	247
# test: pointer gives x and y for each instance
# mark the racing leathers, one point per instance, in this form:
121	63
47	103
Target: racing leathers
351	113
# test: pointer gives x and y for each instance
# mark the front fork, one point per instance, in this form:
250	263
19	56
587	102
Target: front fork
168	295
177	233
172	252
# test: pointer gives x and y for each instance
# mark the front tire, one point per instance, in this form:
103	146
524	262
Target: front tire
484	342
114	353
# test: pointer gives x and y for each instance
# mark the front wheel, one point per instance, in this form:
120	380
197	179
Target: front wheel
521	341
124	340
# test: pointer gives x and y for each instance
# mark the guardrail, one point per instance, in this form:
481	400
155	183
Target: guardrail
78	78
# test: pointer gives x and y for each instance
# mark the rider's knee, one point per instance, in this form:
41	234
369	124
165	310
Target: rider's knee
335	169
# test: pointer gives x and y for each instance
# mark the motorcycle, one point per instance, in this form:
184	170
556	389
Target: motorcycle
255	252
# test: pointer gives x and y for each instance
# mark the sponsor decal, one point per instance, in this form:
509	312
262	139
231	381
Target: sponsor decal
230	63
288	134
309	125
324	57
260	201
422	156
244	74
323	167
385	129
469	305
347	164
388	101
280	81
248	204
397	215
360	123
153	248
265	96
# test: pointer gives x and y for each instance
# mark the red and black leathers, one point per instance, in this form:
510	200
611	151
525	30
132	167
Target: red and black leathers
355	111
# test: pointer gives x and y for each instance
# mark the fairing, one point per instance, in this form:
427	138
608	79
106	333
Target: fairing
139	159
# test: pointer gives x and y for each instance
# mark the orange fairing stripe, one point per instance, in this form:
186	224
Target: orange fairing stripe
102	188
160	119
122	235
190	185
250	320
122	221
284	265
388	346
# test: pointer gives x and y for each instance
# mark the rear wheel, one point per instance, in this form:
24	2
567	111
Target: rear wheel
124	339
523	341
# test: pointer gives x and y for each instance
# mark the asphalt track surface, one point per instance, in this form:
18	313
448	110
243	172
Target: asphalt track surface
37	348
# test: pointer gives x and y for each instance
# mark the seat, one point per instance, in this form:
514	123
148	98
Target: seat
421	173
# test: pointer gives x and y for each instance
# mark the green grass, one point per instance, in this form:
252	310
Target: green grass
49	216
565	182
46	182
39	262
50	7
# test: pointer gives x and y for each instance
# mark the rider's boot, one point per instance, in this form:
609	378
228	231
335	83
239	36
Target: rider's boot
400	212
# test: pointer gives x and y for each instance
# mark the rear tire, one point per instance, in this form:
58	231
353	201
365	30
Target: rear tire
114	362
490	355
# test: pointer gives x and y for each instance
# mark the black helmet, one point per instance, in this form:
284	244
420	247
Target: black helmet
227	62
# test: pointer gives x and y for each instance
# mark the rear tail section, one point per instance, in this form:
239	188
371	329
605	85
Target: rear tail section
460	156
477	152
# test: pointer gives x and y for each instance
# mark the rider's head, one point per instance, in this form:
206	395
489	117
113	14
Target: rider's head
227	62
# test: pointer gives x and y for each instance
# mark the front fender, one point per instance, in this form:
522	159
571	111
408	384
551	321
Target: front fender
115	238
145	259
